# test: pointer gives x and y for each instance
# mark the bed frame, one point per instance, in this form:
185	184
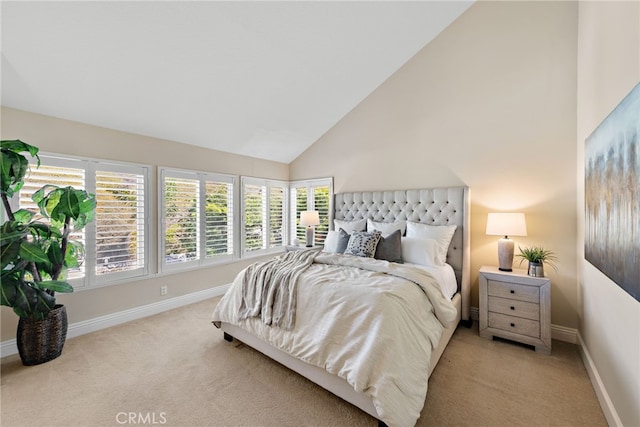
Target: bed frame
433	206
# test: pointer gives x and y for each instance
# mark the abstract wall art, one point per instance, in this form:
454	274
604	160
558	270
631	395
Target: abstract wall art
612	195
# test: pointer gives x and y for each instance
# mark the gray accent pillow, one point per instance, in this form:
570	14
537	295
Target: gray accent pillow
363	244
390	248
343	241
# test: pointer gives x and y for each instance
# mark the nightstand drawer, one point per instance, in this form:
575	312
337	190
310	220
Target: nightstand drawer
514	324
513	291
516	308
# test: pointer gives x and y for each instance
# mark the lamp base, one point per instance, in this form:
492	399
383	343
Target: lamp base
309	237
505	254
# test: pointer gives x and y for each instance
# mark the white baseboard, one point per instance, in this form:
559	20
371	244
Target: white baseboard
10	347
560	333
606	404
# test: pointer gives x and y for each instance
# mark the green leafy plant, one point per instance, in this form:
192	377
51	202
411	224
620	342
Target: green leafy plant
35	253
538	255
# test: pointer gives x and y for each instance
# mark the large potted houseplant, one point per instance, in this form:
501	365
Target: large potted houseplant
537	257
35	253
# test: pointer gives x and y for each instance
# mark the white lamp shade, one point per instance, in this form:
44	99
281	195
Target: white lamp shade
309	218
506	224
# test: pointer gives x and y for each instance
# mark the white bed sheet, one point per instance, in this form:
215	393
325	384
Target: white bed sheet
444	275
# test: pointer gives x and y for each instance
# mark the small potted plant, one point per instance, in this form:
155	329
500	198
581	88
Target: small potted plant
537	256
35	252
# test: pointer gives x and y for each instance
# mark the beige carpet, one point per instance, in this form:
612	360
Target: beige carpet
175	369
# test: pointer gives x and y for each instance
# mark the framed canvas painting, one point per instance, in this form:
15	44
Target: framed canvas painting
612	195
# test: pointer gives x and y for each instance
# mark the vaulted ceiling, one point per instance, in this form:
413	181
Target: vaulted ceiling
263	79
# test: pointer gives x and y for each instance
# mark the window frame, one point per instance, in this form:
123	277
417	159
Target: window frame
144	244
202	178
310	185
90	166
266	219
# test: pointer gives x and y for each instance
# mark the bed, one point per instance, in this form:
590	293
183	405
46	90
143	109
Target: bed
433	207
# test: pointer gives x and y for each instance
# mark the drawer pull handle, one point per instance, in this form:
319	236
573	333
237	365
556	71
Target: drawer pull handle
512	308
512	291
513	325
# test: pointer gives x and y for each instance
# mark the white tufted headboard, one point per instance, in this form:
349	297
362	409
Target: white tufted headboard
433	206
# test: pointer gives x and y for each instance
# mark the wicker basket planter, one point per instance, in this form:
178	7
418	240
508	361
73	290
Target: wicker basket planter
40	341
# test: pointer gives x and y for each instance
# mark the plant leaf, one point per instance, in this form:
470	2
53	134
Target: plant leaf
12	231
32	252
25	301
13	165
56	286
54	253
9	252
9	290
18	146
23	215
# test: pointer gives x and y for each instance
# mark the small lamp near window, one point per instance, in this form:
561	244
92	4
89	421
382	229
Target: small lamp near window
506	224
310	219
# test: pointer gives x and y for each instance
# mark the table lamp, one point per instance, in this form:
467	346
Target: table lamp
506	224
309	218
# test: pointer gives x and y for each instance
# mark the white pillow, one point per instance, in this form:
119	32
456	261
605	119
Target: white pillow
386	228
350	226
420	251
442	234
331	242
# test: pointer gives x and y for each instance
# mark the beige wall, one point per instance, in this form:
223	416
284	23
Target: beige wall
608	68
66	137
491	104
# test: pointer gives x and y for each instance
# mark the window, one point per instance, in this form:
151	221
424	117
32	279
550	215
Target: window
115	241
203	218
311	195
196	218
264	215
120	221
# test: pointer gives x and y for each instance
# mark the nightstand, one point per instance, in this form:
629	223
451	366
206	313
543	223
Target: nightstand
515	306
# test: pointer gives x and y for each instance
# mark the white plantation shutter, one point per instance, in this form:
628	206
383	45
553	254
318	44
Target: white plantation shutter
255	212
276	216
181	217
120	221
62	173
219	219
321	202
299	203
264	214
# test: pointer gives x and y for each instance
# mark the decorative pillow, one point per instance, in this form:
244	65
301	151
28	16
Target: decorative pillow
420	251
442	234
363	244
343	241
386	228
390	248
350	226
336	242
331	242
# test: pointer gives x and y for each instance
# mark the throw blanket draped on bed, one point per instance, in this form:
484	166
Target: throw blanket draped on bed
269	288
370	322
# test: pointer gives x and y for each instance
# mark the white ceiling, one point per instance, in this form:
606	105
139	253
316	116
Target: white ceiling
263	79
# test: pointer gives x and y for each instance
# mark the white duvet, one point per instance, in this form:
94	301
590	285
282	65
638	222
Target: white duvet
371	322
